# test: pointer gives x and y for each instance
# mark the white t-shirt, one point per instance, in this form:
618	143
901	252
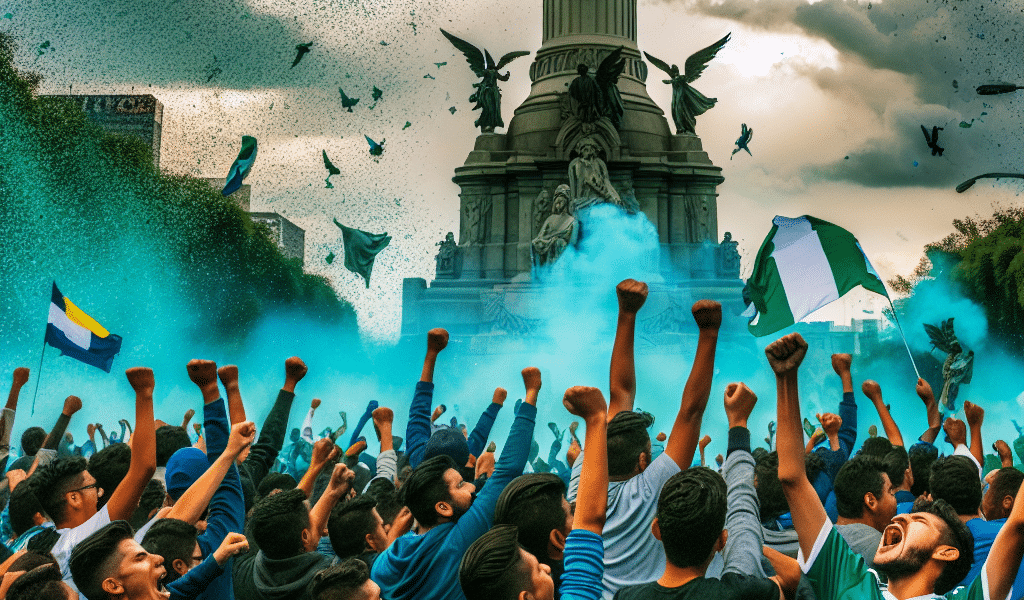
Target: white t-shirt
71	536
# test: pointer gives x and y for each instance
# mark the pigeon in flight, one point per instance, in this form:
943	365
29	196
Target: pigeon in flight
746	134
347	102
933	140
331	170
301	51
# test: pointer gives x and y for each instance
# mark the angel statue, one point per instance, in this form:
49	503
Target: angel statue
487	95
598	96
688	103
958	366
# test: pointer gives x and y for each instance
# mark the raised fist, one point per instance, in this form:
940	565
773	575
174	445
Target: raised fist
72	404
632	294
20	376
841	363
786	353
499	396
141	379
531	378
437	339
585	402
294	369
707	314
202	372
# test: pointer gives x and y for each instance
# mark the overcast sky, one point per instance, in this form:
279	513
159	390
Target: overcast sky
836	92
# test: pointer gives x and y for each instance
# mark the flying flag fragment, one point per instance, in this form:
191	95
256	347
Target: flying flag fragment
241	167
361	249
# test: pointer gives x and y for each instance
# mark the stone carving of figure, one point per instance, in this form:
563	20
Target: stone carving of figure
487	95
541	207
589	182
446	254
473	231
730	257
557	232
598	96
688	103
958	368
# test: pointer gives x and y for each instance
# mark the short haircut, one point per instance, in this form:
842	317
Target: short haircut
770	498
277	523
32	440
170	439
383	491
896	461
858	476
109	466
875	446
42	582
23	506
1007	482
921	455
94	558
173	540
691	515
153	497
627	440
955	479
53	481
957	535
275	481
492	567
533	503
30	560
348	525
425	487
339	582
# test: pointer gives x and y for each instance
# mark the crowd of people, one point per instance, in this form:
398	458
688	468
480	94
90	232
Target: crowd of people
263	513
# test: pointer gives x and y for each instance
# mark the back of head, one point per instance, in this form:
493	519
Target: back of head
109	466
42	582
627	440
183	469
896	461
52	482
32	559
173	540
275	481
770	497
449	442
956	534
277	524
425	487
23	507
691	515
921	456
349	524
343	581
96	557
383	491
858	476
1007	482
955	479
875	446
492	567
533	503
170	439
152	499
32	440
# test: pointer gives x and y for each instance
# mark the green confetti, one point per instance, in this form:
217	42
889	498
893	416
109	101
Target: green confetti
407	125
428	76
383	43
330	258
965	124
8	16
441	64
451	110
330	186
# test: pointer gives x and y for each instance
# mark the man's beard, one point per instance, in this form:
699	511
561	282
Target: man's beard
908	564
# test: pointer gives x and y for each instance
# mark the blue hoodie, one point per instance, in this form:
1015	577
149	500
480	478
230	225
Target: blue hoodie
426	567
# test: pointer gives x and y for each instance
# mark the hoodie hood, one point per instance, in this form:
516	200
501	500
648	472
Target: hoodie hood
287	577
416	566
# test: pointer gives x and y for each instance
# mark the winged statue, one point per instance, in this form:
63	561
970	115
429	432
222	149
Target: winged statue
688	103
487	95
958	368
598	95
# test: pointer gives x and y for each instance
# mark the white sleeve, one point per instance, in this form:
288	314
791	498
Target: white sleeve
963	450
307	423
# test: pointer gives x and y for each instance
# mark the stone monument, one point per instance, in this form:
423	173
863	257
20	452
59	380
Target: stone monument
588	133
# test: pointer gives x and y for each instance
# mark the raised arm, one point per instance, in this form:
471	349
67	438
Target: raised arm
126	497
924	392
193	502
18	380
482	430
271	435
229	378
324	451
417	430
975	416
72	404
341	481
841	364
631	295
873	391
592	499
784	356
682	442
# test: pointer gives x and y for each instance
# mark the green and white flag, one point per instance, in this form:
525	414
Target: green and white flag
804	264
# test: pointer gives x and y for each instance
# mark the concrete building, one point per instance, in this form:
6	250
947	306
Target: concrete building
289	237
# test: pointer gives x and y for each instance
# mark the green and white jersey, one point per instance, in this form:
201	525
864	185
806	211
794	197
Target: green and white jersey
838	573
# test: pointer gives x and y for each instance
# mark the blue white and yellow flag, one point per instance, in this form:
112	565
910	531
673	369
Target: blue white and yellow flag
78	335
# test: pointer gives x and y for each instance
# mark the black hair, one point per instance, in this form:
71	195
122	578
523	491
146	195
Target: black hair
92	560
1007	482
170	439
173	540
30	560
492	567
349	524
153	496
533	503
627	440
896	461
275	481
32	440
921	456
339	582
770	497
39	583
278	522
425	487
858	476
691	515
53	481
957	535
23	506
383	491
955	479
875	446
110	466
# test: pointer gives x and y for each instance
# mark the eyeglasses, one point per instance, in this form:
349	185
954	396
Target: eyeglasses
99	490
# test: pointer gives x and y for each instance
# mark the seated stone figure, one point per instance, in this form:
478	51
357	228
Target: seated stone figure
558	230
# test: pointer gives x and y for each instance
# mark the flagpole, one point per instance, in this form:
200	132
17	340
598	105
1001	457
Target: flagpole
39	374
896	320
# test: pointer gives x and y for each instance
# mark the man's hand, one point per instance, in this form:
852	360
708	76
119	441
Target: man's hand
141	379
438	411
203	373
233	545
703	443
585	402
485	464
924	391
707	314
974	414
382	415
661	437
437	340
739	403
323	451
830	423
531	379
1001	448
341	479
499	396
841	363
228	375
294	371
632	294
72	404
872	390
315	404
20	377
573	452
356	449
199	429
786	353
956	430
242	435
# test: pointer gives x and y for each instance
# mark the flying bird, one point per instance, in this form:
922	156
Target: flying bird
347	102
375	148
331	170
377	93
441	64
301	51
933	139
746	134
